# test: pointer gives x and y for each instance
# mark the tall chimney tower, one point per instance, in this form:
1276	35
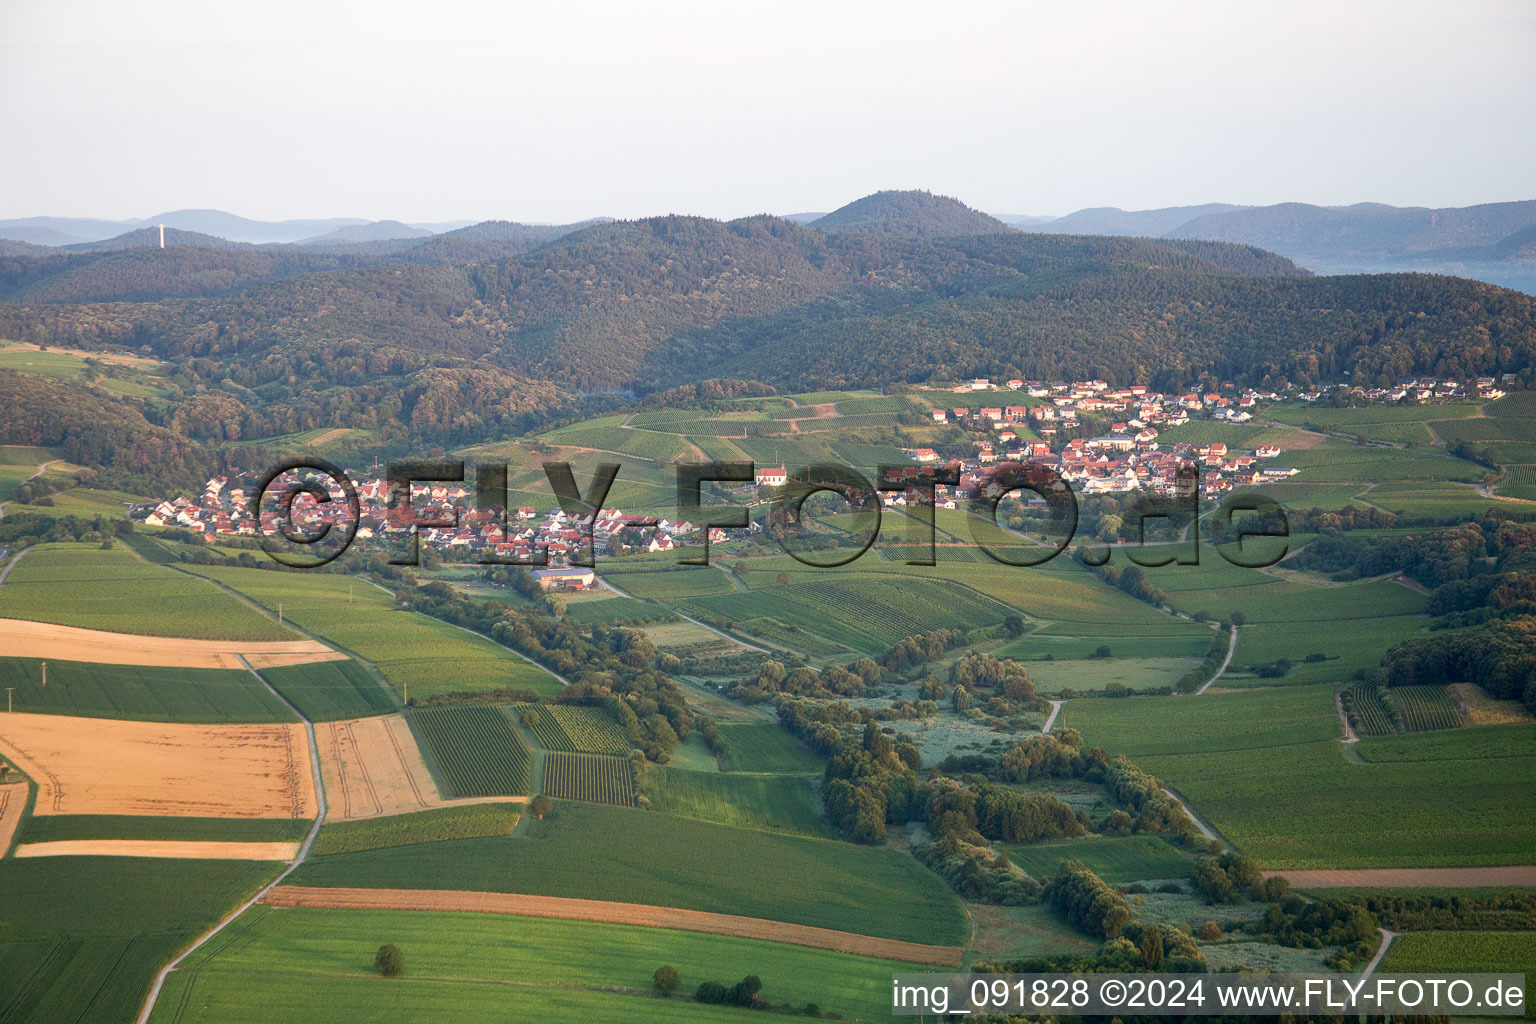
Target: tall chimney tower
162	236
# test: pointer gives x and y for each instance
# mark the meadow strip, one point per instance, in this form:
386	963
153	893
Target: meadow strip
611	913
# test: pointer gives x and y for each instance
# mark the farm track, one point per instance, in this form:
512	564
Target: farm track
1055	710
1381	952
1407	878
303	852
608	912
6	571
1231	650
689	618
1205	830
40	471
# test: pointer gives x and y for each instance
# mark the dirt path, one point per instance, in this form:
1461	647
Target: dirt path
1386	941
6	571
1231	650
1349	731
612	913
41	469
1205	829
1408	878
1055	710
303	852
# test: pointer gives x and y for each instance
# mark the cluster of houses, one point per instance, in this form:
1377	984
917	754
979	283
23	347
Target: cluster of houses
225	509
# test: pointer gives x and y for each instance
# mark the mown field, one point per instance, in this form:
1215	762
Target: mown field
493	968
115	590
593	851
476	821
1115	859
773	802
764	748
329	691
81	938
471	749
140	693
409	649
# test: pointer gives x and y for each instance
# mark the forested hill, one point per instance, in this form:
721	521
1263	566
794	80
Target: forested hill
911	213
467	350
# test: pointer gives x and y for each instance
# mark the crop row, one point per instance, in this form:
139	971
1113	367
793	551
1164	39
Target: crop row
590	777
474	749
1425	708
558	727
1367	714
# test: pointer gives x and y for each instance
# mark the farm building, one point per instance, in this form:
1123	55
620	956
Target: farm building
564	579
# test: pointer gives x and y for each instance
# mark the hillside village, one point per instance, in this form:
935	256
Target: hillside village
1129	458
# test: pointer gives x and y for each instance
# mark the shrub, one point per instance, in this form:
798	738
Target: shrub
389	961
1210	930
666	979
711	992
540	806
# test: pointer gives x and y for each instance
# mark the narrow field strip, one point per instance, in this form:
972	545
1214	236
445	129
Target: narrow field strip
13	802
608	912
1408	878
22	638
178	849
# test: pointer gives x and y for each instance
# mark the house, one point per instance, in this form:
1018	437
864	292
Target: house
940	416
981	384
1266	451
771	477
1014	385
565	579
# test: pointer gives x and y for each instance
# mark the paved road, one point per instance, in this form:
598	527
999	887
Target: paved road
1386	940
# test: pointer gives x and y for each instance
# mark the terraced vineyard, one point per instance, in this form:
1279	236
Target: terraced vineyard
1368	716
585	730
1425	708
593	778
472	749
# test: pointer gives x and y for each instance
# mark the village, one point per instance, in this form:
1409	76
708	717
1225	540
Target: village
1129	458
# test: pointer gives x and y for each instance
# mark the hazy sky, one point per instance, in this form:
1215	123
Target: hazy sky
437	110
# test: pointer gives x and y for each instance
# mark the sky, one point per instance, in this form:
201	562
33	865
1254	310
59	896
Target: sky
451	110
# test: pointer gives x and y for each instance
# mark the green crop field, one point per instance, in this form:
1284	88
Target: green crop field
82	585
1425	708
141	693
593	778
1138	726
1485	743
1086	675
564	727
472	750
493	968
764	748
475	821
1368	716
1469	952
1347	645
666	586
618	609
81	938
868	614
409	649
52	828
1115	859
774	802
1490	429
328	691
594	851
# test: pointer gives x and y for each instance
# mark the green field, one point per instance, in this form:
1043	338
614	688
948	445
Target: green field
328	691
52	828
1087	675
141	693
409	649
764	748
476	821
82	585
81	938
774	802
1265	768
494	968
1470	952
472	750
595	778
593	851
1115	859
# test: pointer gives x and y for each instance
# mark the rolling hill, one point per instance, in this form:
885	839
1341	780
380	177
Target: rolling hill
910	213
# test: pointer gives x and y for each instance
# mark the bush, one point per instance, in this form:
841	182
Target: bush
1210	930
711	992
540	806
389	961
666	979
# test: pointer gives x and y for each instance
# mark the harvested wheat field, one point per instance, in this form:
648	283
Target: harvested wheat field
178	849
611	913
373	767
105	766
20	638
13	801
1407	878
